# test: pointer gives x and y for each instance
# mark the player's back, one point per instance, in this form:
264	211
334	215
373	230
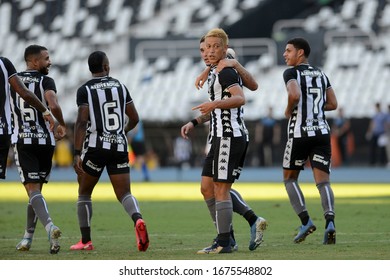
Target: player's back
308	119
29	124
106	99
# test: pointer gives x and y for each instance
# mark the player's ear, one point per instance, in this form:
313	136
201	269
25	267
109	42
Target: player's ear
106	67
301	52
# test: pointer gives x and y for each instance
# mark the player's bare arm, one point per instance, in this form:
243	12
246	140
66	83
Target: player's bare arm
51	98
80	129
202	78
185	129
294	94
247	79
132	113
31	99
331	100
236	100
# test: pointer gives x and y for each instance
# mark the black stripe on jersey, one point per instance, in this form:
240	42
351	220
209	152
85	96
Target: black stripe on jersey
304	99
96	109
122	100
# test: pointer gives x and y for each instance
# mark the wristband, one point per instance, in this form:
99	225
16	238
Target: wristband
46	113
195	122
76	152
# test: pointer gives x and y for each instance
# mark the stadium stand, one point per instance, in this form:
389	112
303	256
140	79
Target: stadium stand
153	47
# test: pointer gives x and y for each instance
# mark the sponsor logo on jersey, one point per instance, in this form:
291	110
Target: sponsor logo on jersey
112	138
32	135
314	127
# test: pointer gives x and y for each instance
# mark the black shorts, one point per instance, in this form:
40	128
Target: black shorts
5	142
94	161
138	148
317	149
225	159
34	162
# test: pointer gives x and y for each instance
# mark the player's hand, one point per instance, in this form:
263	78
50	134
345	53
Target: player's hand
205	108
202	78
60	132
223	63
287	113
185	129
50	119
77	165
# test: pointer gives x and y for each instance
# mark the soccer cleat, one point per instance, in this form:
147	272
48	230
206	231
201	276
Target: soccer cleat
215	248
83	246
54	235
257	232
24	244
141	235
233	243
330	234
305	230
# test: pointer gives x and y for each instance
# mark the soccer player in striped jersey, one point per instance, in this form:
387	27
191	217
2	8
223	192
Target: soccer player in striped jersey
257	224
9	78
229	137
34	143
100	142
310	94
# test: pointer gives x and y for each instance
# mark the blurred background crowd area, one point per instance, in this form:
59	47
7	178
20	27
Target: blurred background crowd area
153	47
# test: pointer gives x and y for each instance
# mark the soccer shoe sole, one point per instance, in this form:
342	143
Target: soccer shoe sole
330	238
303	237
142	236
216	250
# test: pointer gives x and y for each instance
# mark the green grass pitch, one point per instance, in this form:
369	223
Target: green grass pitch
179	223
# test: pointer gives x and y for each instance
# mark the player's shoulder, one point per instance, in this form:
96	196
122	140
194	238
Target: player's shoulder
8	65
5	60
228	72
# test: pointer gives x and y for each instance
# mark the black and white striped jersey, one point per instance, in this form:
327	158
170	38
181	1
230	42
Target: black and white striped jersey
308	117
106	99
7	71
30	127
225	122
